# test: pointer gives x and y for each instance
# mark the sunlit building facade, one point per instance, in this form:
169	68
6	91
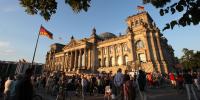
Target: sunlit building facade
142	46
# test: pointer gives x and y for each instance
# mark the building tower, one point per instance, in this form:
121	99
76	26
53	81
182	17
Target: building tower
147	43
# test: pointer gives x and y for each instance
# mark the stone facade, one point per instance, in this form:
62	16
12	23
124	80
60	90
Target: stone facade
141	47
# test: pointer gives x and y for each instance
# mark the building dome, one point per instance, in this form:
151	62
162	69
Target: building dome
107	35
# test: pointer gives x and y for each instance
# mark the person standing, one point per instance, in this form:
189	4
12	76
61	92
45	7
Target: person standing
1	83
195	77
189	85
13	87
179	81
118	81
198	80
8	85
24	89
129	89
141	80
172	79
84	86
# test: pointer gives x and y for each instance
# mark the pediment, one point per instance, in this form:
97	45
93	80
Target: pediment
72	43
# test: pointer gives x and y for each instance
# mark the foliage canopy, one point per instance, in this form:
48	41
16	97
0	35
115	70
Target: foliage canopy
190	9
190	59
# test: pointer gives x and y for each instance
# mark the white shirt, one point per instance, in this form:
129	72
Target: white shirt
83	82
8	84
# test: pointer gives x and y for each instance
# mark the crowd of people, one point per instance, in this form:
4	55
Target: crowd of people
118	86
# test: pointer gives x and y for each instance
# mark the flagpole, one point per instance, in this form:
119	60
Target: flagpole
35	51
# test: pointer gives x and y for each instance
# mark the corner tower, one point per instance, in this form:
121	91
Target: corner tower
147	43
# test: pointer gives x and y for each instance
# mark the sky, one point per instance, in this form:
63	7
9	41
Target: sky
18	30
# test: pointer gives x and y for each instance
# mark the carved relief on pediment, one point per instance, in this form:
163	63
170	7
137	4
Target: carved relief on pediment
73	43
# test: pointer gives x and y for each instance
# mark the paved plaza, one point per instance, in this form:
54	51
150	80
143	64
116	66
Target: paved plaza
152	94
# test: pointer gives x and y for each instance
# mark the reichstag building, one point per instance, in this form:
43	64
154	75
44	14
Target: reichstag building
142	47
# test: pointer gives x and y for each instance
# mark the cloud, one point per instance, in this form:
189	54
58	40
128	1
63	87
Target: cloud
6	49
4	44
8	8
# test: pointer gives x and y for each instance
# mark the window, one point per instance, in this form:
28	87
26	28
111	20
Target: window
110	49
120	60
139	44
132	24
104	61
125	48
99	52
118	48
126	59
136	22
113	61
105	51
100	62
117	58
142	57
141	21
110	61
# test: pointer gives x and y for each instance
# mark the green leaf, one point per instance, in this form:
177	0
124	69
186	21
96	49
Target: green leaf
173	10
162	12
182	21
179	8
166	27
173	23
166	10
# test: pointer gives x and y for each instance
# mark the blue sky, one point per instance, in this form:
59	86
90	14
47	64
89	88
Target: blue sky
18	31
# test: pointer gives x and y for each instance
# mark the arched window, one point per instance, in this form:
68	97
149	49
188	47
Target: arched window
141	21
139	44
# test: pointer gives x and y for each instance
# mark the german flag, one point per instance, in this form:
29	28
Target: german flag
141	8
45	32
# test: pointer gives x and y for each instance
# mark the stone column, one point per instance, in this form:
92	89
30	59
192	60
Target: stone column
122	55
131	48
64	61
89	59
154	51
71	60
80	58
75	59
102	59
114	49
85	58
161	52
108	54
147	46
